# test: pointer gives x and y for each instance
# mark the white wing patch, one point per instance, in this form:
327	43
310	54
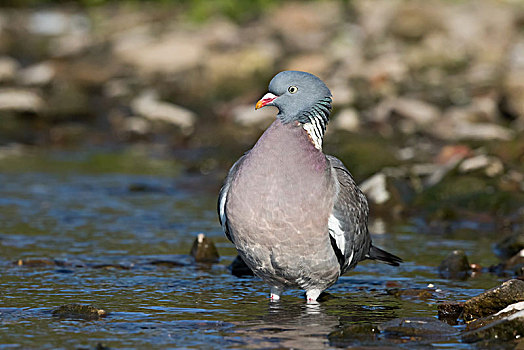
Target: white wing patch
336	232
222	207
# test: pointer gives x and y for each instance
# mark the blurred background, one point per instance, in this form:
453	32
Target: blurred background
424	91
120	119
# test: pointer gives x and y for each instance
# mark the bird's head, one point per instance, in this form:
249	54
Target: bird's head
295	93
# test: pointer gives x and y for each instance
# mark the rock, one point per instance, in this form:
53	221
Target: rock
8	69
449	311
343	94
37	75
388	191
170	53
304	26
453	153
418	293
417	328
66	101
375	188
417	111
54	23
135	126
494	300
347	120
35	262
229	70
414	21
167	263
113	266
511	309
148	106
455	266
506	329
316	63
453	128
69	133
353	334
19	100
492	166
204	250
239	268
70	44
510	246
442	169
79	311
144	187
516	263
246	115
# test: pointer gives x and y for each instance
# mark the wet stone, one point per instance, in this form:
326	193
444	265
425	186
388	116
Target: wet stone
516	263
455	266
204	250
144	187
494	300
510	245
239	268
166	263
417	328
79	311
417	293
35	262
449	311
505	329
354	333
112	266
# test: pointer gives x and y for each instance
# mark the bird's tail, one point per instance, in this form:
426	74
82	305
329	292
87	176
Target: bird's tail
383	256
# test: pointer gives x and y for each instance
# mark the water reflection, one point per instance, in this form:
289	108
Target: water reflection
290	325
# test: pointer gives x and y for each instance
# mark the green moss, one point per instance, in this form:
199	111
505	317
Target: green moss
124	162
362	154
468	192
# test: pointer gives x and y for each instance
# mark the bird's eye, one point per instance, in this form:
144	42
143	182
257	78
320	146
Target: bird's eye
292	89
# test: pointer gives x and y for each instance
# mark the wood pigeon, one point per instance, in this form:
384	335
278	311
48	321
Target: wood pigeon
295	215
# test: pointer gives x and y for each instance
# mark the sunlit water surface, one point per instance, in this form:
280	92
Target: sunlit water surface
106	225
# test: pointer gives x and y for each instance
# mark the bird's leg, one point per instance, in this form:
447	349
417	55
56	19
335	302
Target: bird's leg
275	293
312	295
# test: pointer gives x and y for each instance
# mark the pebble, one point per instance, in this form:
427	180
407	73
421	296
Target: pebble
455	266
148	106
494	300
79	311
204	250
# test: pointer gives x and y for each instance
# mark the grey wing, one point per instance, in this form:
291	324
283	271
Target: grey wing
222	197
348	220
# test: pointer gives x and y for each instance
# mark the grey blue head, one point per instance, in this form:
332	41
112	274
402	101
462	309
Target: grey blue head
299	96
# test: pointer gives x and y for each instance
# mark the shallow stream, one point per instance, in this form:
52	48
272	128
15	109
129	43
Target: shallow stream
101	224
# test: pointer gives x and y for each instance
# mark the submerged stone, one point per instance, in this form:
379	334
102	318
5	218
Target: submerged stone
417	328
166	263
239	268
86	312
449	311
204	250
353	333
113	266
511	245
516	263
494	300
505	329
35	262
455	266
419	293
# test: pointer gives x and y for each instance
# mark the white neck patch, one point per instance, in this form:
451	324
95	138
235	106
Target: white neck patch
315	134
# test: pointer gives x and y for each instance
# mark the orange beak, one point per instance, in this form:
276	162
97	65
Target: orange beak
265	100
